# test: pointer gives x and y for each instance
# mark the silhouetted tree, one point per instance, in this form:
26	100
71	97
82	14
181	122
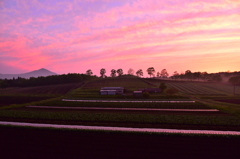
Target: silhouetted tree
151	71
139	72
175	75
102	72
113	73
89	72
163	86
164	73
130	71
204	75
197	75
120	72
234	81
188	74
217	78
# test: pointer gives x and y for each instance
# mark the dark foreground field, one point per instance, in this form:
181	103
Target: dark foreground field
8	100
233	101
51	143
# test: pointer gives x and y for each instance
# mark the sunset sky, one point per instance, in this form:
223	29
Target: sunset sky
72	36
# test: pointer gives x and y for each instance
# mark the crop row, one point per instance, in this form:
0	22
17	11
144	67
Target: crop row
199	87
223	87
51	89
128	83
191	88
123	118
195	105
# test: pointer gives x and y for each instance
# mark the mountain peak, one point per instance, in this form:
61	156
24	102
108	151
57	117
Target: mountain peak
36	73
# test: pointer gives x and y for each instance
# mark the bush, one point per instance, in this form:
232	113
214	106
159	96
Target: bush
217	78
172	91
146	95
234	80
163	86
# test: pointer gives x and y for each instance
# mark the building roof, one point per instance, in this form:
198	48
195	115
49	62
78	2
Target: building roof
111	88
107	90
137	91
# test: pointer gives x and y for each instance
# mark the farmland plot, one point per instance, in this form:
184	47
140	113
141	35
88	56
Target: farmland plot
56	102
198	88
107	118
223	88
195	88
128	83
8	100
50	89
209	120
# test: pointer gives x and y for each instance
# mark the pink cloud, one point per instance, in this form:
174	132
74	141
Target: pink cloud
138	33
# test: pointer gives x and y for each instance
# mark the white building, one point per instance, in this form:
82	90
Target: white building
111	90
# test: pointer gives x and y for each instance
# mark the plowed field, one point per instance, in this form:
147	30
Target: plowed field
8	100
51	89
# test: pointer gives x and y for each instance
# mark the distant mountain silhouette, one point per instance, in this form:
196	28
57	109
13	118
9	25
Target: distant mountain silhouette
41	72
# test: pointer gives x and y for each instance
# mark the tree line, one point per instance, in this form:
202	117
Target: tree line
188	75
74	77
119	72
115	73
208	77
49	80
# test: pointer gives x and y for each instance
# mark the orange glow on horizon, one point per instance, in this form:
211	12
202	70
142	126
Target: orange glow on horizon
191	35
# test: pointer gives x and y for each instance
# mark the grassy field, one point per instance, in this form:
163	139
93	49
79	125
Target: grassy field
20	99
90	90
41	90
199	88
128	83
59	102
